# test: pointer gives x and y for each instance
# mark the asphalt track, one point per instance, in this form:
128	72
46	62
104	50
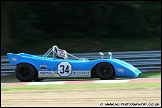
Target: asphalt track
137	80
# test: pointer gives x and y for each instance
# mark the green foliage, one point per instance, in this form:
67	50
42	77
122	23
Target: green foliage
151	75
32	22
23	18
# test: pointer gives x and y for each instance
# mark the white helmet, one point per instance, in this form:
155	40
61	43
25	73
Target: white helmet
62	54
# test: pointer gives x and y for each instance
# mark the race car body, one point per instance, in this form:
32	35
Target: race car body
32	67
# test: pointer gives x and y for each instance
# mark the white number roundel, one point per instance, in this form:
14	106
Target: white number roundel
64	69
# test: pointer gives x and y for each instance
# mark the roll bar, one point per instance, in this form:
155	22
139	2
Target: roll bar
55	49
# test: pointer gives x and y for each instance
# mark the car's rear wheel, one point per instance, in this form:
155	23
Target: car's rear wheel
25	72
105	71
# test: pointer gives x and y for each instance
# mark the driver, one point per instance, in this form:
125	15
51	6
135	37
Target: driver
61	54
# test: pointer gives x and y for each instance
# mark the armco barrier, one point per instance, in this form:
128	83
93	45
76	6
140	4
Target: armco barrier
146	61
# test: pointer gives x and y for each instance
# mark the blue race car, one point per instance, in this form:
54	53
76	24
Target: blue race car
57	63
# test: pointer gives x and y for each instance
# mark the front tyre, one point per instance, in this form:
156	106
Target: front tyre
25	72
105	71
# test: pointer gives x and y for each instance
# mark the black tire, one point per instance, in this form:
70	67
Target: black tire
25	72
105	71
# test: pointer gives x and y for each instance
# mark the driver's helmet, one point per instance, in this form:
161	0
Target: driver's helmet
62	54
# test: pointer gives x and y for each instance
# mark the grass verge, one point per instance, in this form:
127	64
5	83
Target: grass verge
151	75
12	78
81	86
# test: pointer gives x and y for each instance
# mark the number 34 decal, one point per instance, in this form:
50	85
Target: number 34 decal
64	69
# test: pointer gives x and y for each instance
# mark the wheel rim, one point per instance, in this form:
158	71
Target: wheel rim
104	70
24	71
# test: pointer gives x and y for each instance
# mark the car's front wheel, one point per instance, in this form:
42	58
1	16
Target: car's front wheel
105	71
25	72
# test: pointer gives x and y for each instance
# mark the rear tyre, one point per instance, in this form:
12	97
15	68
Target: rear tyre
105	71
25	72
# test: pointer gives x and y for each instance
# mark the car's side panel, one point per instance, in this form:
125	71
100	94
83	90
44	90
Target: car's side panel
124	69
121	68
36	61
67	68
50	67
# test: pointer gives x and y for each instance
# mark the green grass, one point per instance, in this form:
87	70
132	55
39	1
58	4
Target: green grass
151	75
80	86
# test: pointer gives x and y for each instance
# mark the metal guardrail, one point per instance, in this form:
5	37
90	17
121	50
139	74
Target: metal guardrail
146	61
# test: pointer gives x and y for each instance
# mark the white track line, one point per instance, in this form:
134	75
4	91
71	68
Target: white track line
70	82
63	82
111	81
45	83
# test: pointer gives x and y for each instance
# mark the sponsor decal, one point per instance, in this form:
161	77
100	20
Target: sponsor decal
121	70
81	73
14	59
43	66
46	72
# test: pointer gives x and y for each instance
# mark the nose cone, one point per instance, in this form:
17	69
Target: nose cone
137	73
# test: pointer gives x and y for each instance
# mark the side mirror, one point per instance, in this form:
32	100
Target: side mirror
101	54
110	54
